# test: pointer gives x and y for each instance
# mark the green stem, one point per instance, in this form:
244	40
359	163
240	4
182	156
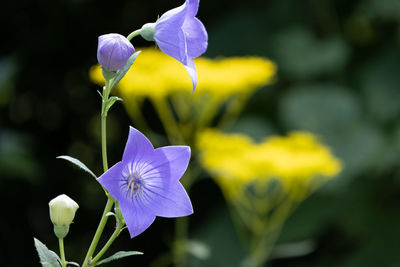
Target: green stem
263	244
87	262
62	254
104	125
168	120
110	200
182	224
116	233
181	231
133	34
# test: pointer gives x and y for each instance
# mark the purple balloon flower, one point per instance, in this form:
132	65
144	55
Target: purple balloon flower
180	35
113	51
146	182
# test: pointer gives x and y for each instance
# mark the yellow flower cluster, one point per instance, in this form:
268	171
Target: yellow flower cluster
155	74
224	85
295	160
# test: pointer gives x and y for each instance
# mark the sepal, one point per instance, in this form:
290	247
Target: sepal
121	73
108	75
118	214
147	31
61	231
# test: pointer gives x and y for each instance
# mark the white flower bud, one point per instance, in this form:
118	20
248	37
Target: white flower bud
62	210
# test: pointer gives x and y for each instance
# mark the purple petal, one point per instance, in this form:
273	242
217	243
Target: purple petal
112	179
196	37
170	201
171	162
193	7
137	217
175	14
136	147
191	69
113	51
169	35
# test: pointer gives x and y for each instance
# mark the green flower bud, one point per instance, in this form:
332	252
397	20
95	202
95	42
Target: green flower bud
147	31
62	210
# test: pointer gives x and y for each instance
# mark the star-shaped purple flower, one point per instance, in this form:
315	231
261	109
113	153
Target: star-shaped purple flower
146	182
180	35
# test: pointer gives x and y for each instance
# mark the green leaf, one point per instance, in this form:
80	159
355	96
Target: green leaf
121	73
78	163
73	263
110	214
119	255
111	102
47	257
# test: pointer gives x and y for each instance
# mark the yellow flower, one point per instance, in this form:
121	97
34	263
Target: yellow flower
155	74
224	84
263	182
295	160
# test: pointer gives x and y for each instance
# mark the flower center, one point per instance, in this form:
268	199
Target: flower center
134	183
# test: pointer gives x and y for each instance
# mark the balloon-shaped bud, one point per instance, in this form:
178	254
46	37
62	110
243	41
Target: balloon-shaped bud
62	213
62	210
113	51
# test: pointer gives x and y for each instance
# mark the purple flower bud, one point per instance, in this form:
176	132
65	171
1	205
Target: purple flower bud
113	51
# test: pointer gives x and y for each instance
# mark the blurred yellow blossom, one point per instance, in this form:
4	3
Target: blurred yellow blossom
264	182
155	74
224	84
295	158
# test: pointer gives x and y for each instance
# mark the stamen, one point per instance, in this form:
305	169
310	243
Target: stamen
134	184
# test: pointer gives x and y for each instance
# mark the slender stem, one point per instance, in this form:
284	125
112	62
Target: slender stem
168	120
135	113
182	224
133	34
110	200
235	106
104	126
263	244
181	231
116	233
99	231
62	254
103	141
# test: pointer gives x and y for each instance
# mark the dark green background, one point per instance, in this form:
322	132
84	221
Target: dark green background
339	77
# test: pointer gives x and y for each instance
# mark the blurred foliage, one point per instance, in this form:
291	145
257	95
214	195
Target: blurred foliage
338	64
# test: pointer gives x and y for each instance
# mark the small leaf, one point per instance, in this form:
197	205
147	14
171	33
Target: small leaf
73	263
116	98
111	102
121	73
78	163
119	255
47	257
110	214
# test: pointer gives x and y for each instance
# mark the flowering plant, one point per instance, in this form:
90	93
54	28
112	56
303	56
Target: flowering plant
262	182
145	183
